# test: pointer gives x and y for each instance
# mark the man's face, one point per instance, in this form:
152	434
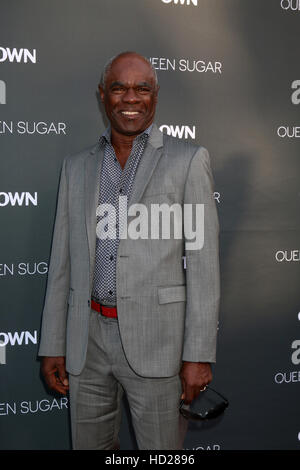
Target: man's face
130	95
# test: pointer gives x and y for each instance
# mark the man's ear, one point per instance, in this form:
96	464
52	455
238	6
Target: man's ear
101	92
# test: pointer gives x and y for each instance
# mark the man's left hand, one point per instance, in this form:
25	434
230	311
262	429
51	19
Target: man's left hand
195	376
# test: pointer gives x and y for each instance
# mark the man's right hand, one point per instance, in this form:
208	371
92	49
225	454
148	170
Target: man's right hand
55	375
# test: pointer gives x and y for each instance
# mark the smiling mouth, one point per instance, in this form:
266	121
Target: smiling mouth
130	113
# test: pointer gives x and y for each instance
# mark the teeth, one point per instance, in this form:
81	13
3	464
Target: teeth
130	113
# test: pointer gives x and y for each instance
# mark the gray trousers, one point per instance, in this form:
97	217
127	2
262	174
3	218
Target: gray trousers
95	397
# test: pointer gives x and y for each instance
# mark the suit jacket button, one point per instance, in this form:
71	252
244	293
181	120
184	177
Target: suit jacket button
89	303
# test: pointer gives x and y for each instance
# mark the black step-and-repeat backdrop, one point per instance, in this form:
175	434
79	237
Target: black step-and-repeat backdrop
229	80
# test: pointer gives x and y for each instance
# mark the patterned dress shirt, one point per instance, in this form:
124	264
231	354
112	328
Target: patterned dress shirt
114	182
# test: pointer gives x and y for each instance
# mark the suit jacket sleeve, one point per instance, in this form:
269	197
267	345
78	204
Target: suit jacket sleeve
202	267
55	308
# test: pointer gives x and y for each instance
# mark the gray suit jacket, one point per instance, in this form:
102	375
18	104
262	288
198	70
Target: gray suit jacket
166	313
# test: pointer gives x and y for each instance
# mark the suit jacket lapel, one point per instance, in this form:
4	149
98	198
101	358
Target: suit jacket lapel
92	185
150	158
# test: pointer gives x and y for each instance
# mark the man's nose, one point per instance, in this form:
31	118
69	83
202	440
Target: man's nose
131	96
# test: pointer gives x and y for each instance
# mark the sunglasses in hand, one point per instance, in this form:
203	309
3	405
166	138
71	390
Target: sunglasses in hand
211	413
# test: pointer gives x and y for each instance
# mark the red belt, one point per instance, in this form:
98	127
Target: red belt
110	312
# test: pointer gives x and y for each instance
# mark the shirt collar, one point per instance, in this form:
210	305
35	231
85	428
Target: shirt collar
105	137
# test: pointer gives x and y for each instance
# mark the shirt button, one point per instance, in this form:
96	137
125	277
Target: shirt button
110	292
121	190
111	257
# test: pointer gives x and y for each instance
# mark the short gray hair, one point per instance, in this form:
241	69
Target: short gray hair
108	65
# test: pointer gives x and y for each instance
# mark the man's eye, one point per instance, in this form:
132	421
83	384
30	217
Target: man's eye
117	89
143	89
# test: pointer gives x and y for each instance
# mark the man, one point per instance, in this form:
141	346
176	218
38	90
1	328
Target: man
121	313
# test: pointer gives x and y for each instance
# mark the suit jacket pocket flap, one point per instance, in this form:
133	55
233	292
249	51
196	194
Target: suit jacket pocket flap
171	294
